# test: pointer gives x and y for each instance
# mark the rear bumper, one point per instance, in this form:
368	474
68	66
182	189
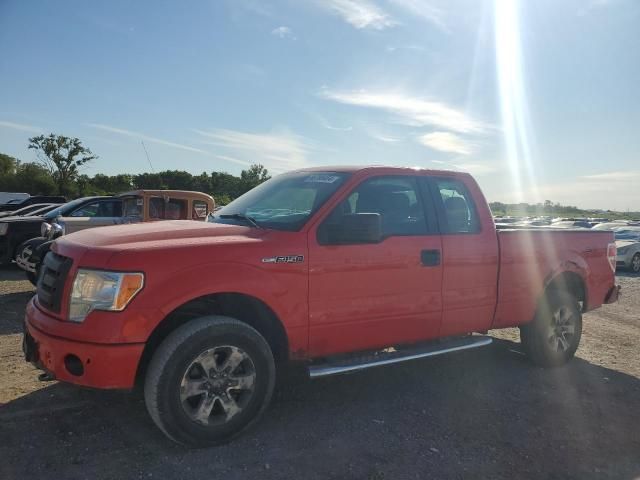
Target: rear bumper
107	366
613	294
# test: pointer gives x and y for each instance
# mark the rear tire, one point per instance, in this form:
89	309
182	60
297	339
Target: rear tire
552	338
209	380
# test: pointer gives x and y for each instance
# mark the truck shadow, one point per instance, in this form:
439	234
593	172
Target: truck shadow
12	311
483	413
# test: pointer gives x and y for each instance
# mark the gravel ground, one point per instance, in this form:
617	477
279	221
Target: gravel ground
485	413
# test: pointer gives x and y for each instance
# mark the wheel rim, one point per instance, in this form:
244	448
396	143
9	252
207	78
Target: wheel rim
635	263
217	385
562	329
25	254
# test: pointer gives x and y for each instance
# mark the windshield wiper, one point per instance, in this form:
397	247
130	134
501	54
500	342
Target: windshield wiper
241	216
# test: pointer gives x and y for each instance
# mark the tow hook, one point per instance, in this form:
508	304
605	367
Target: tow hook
46	377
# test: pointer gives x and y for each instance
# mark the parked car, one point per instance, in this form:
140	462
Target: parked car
130	207
610	225
35	209
15	230
571	224
628	246
18	204
330	267
12	197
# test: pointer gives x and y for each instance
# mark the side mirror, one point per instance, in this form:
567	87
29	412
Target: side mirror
352	228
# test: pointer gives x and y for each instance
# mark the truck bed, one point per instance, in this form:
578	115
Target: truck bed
531	258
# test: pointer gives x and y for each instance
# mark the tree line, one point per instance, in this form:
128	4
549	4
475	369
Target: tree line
57	171
549	208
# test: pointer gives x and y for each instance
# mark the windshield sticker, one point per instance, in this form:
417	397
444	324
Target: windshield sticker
321	178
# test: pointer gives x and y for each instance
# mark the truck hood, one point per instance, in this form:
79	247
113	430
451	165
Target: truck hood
162	234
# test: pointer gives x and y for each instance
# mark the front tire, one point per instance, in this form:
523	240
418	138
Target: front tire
24	253
635	263
209	380
552	338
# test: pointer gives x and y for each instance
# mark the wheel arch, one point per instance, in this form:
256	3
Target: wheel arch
243	307
569	281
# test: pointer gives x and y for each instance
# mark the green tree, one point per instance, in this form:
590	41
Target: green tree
105	184
8	165
254	176
152	181
34	179
63	157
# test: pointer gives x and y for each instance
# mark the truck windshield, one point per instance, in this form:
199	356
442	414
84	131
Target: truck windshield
285	202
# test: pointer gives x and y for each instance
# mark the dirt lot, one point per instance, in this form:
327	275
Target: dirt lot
485	413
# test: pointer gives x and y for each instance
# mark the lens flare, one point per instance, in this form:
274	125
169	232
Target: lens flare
514	110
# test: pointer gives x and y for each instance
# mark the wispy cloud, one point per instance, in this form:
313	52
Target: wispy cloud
147	138
21	127
256	7
283	32
423	9
613	176
412	110
279	151
591	5
474	168
393	48
446	142
385	138
359	13
330	126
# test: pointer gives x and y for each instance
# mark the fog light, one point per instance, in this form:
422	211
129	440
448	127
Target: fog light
74	365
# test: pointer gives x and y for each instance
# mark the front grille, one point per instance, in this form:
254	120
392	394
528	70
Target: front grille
51	280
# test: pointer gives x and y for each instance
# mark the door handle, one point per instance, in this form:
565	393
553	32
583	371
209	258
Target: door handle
430	258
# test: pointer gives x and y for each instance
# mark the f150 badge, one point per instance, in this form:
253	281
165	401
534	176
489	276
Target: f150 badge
284	259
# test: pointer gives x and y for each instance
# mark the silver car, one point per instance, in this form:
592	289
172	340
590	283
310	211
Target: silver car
628	246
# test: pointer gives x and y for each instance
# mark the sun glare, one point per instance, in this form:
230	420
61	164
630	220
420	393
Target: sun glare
516	127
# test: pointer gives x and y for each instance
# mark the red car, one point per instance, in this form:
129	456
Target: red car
309	266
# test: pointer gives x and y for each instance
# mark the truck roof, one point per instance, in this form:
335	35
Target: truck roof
162	193
381	169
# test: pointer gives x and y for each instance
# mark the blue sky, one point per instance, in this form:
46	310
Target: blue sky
538	99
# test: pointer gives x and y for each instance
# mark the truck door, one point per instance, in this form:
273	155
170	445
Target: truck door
369	295
469	255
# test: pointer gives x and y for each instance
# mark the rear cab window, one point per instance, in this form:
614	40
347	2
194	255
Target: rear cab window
167	209
455	205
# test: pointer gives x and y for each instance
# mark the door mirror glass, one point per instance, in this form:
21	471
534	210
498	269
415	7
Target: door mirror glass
353	228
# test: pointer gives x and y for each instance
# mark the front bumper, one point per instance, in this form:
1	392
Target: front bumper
107	366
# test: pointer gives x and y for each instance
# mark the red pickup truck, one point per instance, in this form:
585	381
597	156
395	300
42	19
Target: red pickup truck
342	268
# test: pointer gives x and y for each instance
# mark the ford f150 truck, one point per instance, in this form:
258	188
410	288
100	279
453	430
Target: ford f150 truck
341	268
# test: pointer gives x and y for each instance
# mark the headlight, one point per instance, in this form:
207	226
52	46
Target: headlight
44	229
56	231
100	290
623	250
3	228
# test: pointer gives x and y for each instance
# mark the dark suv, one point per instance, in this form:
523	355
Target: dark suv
18	204
16	230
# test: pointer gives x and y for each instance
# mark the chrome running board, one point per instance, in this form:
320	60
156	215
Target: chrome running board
389	356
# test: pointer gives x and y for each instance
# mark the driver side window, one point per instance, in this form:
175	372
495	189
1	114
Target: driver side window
394	198
89	210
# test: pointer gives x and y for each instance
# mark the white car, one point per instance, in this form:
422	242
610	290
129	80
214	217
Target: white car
628	246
